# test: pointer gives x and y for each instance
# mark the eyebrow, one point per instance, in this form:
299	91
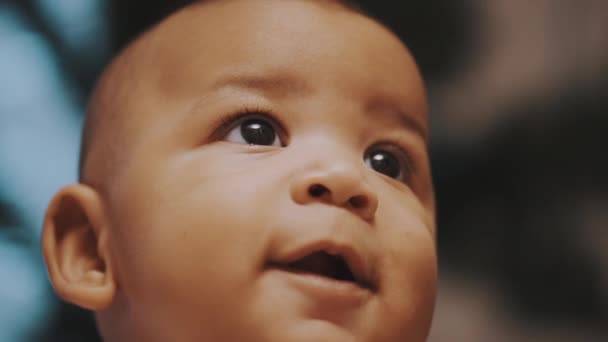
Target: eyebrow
388	109
277	85
281	86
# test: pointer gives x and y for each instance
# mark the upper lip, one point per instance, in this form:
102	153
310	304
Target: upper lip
355	261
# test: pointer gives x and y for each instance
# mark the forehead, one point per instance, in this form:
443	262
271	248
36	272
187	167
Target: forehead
305	36
302	44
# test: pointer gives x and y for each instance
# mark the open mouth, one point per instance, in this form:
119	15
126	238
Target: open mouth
323	264
320	263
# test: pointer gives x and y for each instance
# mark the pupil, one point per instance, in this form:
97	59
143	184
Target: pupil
385	163
257	132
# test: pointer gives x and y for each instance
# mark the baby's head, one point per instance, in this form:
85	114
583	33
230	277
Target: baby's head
253	171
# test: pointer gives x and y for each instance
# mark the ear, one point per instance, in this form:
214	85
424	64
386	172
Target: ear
75	248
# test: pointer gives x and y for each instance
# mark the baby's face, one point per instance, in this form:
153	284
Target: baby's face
277	184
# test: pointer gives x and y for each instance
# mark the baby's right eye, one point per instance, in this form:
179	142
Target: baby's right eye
254	131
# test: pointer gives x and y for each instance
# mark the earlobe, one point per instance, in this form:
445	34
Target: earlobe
75	248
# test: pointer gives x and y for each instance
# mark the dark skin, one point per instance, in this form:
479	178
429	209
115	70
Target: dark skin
216	164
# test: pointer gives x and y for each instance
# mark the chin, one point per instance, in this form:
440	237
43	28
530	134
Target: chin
311	331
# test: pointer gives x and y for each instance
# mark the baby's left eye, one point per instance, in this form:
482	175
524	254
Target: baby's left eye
388	160
254	131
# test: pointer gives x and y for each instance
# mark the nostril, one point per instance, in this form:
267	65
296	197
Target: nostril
358	202
317	190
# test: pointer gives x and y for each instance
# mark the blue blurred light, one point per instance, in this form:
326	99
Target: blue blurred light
81	24
39	124
23	293
40	121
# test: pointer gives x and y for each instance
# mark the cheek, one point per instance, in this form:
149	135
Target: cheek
409	275
195	234
410	263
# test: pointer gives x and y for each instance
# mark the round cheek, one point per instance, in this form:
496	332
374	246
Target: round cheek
409	278
192	236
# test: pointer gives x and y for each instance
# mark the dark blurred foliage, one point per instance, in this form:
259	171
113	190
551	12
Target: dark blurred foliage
438	32
519	208
512	213
74	67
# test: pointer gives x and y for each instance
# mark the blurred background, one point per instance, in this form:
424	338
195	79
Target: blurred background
519	98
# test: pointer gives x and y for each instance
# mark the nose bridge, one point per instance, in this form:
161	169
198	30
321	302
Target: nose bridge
340	171
330	146
332	161
334	175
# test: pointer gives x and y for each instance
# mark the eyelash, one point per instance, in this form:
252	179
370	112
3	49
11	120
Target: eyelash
230	121
396	144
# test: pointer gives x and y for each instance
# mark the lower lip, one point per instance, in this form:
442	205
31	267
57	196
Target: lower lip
324	288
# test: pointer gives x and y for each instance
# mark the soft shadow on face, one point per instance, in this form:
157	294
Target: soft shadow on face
216	239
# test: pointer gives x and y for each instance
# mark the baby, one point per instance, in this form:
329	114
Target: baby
253	171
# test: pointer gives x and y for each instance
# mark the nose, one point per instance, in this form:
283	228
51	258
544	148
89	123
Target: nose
338	183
